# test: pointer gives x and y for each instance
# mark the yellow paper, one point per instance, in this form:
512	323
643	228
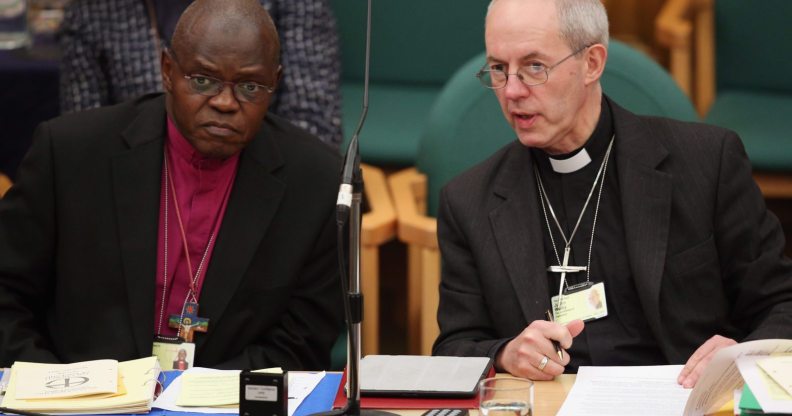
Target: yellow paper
61	381
138	380
208	389
779	368
271	370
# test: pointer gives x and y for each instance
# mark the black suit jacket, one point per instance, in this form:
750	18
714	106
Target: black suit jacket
705	254
78	246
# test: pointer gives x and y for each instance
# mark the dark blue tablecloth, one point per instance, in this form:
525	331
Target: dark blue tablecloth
28	96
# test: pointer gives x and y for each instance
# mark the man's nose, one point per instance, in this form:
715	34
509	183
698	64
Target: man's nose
515	88
225	100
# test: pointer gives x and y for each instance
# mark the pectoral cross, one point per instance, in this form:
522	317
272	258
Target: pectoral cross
564	267
188	322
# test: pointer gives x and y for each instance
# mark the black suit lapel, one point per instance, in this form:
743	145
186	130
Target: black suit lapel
252	206
518	232
646	207
136	185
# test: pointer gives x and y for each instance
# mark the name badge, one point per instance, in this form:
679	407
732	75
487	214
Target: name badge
587	304
174	355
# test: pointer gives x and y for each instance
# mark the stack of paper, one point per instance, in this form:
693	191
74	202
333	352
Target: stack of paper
97	387
768	384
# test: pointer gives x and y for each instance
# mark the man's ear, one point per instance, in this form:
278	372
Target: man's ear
596	56
278	75
166	66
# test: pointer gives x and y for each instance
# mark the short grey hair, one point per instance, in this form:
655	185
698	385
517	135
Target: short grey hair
581	22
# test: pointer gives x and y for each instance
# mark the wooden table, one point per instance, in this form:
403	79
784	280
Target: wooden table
548	397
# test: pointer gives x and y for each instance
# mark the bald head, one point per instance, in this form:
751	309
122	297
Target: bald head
231	19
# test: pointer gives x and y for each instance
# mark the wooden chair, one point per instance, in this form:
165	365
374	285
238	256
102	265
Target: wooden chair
377	228
465	126
731	57
5	184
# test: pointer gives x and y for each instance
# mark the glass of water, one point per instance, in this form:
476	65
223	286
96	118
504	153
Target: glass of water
506	396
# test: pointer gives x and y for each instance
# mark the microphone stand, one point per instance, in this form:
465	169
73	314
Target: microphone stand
348	211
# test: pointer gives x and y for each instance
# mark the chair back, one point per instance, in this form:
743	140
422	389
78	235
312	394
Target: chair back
752	45
412	41
466	124
639	84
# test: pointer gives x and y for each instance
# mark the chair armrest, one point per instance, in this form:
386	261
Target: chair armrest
5	183
674	29
379	224
409	196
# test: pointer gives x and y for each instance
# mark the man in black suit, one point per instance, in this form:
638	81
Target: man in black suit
650	230
129	223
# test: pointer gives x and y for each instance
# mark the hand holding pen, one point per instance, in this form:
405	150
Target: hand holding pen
556	344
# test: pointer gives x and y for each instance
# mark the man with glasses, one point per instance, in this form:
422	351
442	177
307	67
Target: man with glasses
191	221
649	230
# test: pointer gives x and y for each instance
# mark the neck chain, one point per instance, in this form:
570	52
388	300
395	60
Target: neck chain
545	200
191	293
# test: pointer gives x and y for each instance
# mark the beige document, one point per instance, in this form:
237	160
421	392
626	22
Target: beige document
60	381
779	369
139	380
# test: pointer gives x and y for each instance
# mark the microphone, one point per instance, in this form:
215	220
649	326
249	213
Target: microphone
348	210
351	177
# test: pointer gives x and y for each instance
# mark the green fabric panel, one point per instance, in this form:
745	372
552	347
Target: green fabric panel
466	124
465	127
752	41
412	41
764	123
639	84
396	117
338	355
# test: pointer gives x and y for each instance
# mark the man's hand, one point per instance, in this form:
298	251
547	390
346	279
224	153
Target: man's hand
523	355
698	361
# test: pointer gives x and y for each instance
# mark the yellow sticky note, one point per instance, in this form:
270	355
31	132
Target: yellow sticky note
209	389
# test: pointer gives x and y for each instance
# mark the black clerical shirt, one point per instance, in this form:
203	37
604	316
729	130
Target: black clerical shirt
623	337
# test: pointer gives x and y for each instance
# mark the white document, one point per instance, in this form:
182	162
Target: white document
722	377
415	373
626	391
768	393
301	384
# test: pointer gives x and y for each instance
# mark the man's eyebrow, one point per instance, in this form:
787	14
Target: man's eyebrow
526	57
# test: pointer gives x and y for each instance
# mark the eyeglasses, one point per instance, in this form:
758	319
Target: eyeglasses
246	91
535	73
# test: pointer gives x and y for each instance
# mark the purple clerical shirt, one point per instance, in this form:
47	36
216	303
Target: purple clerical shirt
202	187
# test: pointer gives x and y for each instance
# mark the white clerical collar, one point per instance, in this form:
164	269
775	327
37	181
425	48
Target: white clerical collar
572	164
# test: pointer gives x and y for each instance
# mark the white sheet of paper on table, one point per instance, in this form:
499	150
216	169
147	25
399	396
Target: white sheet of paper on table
626	391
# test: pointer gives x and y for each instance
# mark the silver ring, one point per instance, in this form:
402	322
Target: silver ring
543	363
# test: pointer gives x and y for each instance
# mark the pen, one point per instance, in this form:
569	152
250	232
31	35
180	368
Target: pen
556	344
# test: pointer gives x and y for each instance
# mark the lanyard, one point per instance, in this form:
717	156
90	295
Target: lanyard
545	200
192	292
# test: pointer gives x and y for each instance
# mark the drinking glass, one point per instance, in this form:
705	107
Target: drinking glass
506	396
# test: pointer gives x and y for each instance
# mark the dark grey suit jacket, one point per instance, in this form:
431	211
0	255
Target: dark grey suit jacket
705	254
78	246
